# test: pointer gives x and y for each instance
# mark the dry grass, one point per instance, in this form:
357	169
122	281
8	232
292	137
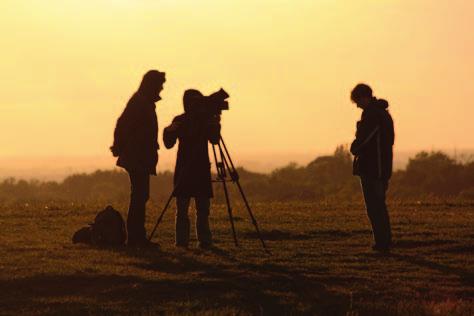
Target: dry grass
321	264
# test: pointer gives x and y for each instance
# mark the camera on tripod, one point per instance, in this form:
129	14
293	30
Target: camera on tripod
202	114
210	105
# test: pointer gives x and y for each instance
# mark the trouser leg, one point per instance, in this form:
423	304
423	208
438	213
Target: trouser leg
140	190
203	232
374	196
384	219
182	221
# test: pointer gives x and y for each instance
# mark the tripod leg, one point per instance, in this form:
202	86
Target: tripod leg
161	216
254	221
225	158
221	175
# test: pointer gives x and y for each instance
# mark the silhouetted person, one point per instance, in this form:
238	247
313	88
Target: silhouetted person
136	146
192	177
373	156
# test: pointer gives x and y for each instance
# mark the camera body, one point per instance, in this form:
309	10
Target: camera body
216	102
210	105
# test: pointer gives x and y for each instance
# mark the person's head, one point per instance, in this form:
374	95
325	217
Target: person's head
190	98
361	95
152	84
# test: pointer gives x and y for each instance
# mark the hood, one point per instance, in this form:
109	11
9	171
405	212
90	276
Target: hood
380	103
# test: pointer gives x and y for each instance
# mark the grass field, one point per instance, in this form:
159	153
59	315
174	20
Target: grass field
321	264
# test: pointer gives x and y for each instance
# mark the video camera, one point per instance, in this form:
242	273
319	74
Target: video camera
212	104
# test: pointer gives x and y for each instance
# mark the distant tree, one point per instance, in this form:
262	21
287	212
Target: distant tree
332	175
433	173
326	177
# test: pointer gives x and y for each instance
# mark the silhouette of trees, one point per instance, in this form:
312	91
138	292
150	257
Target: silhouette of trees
432	173
427	175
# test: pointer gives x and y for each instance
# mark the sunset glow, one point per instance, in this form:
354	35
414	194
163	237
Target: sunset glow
69	67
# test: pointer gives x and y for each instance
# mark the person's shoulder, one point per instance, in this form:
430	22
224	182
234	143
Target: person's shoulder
179	118
370	112
139	101
378	108
134	99
133	103
382	103
382	106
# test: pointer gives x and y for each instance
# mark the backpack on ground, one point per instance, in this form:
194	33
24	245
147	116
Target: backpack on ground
108	229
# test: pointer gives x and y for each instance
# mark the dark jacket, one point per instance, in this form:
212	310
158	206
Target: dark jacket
372	147
135	136
192	176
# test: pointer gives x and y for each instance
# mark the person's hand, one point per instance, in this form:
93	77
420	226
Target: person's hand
174	127
114	151
215	120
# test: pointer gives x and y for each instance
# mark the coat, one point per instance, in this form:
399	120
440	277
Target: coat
373	145
135	136
192	177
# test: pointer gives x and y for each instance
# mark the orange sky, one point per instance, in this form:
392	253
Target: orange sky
68	67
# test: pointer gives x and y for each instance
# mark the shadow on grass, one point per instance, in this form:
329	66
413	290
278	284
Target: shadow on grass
275	234
188	284
460	249
466	277
422	243
265	288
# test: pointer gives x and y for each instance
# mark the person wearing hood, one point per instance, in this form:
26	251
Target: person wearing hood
136	146
192	178
373	158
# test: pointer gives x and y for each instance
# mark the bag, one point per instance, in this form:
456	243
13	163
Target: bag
83	235
108	229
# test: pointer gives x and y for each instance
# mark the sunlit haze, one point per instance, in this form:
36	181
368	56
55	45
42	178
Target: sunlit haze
68	68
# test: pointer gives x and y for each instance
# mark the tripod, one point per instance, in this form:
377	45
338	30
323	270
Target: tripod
224	167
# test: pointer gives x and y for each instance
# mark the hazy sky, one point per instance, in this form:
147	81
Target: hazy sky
68	67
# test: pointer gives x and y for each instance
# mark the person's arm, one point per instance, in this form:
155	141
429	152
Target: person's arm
367	128
171	133
124	129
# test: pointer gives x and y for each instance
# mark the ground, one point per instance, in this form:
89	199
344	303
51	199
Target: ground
320	264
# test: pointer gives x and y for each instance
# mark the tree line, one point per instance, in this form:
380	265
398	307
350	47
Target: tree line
427	175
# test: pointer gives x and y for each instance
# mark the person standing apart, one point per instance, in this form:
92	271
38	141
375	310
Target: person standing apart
373	159
136	146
